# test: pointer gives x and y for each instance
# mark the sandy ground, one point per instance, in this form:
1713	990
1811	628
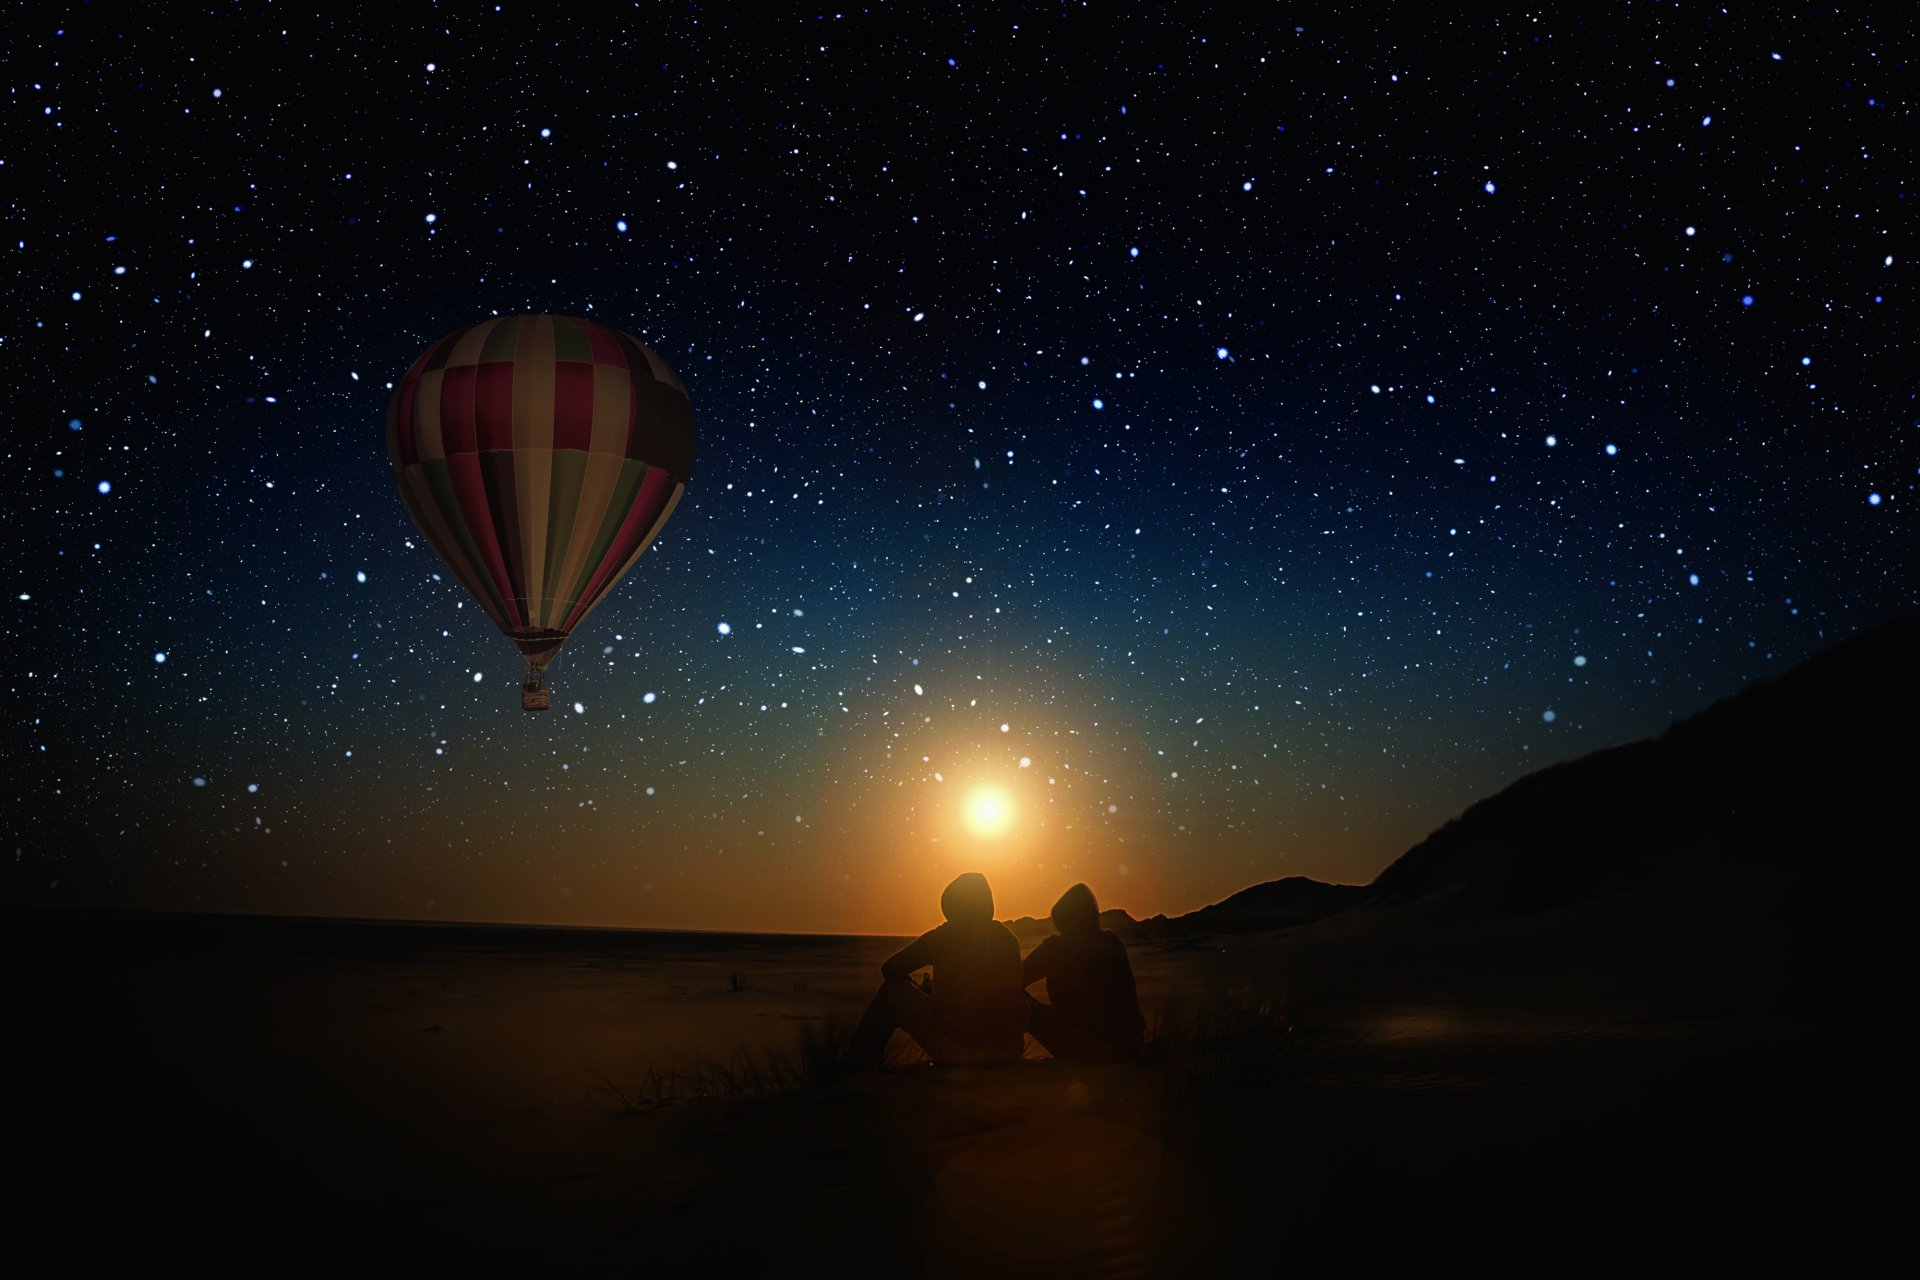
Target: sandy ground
389	1100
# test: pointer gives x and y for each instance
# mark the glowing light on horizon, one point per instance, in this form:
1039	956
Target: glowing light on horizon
989	813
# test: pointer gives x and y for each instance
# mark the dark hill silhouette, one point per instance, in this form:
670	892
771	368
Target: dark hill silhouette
1795	787
1293	900
1277	904
1809	776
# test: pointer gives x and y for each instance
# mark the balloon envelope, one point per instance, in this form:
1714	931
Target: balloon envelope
539	455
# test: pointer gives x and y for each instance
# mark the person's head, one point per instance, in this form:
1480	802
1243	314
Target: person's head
968	899
1077	912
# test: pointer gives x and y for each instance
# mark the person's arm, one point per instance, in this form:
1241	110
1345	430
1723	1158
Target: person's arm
1038	962
917	954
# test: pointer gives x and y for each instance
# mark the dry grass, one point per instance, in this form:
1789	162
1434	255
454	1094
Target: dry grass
811	1064
1248	1042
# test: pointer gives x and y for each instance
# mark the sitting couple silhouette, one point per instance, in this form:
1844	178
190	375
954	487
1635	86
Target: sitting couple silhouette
976	1010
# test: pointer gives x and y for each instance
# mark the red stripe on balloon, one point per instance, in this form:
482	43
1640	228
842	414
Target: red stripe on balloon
470	488
405	452
456	410
503	506
572	405
655	488
605	349
631	449
493	405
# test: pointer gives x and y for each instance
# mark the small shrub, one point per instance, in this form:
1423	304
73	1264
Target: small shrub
812	1063
1235	1044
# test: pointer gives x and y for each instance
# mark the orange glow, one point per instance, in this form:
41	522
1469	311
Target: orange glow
1065	792
990	813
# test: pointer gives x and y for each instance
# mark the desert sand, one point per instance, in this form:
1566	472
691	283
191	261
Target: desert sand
385	1097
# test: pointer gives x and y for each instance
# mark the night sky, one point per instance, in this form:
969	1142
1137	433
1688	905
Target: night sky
1243	445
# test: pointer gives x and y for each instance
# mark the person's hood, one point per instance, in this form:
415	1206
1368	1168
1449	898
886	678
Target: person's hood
968	898
1077	912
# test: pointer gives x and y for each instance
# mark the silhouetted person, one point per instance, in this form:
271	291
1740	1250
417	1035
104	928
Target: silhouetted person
974	1011
1093	1014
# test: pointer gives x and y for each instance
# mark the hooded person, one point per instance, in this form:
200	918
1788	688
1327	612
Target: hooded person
973	1011
1092	1011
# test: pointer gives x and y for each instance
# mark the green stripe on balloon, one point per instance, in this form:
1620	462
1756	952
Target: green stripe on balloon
570	342
441	484
502	342
563	512
624	489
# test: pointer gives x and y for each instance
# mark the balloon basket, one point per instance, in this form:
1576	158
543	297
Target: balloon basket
534	695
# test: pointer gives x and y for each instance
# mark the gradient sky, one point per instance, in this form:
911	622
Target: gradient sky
1246	445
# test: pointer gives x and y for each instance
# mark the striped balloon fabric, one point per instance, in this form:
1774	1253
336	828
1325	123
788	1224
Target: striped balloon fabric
540	455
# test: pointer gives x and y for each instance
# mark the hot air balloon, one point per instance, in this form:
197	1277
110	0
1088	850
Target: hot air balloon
539	455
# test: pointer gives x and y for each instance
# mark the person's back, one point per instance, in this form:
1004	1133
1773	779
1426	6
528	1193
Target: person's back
1093	1009
978	1015
976	1012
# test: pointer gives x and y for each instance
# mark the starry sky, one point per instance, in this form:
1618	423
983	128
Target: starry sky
1241	443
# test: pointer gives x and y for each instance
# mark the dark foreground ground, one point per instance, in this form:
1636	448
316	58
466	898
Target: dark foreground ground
362	1099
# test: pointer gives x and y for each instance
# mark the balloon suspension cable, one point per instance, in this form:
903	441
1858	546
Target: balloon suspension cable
533	690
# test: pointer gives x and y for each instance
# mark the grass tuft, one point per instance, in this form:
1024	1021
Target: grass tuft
1249	1042
811	1064
1246	1043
